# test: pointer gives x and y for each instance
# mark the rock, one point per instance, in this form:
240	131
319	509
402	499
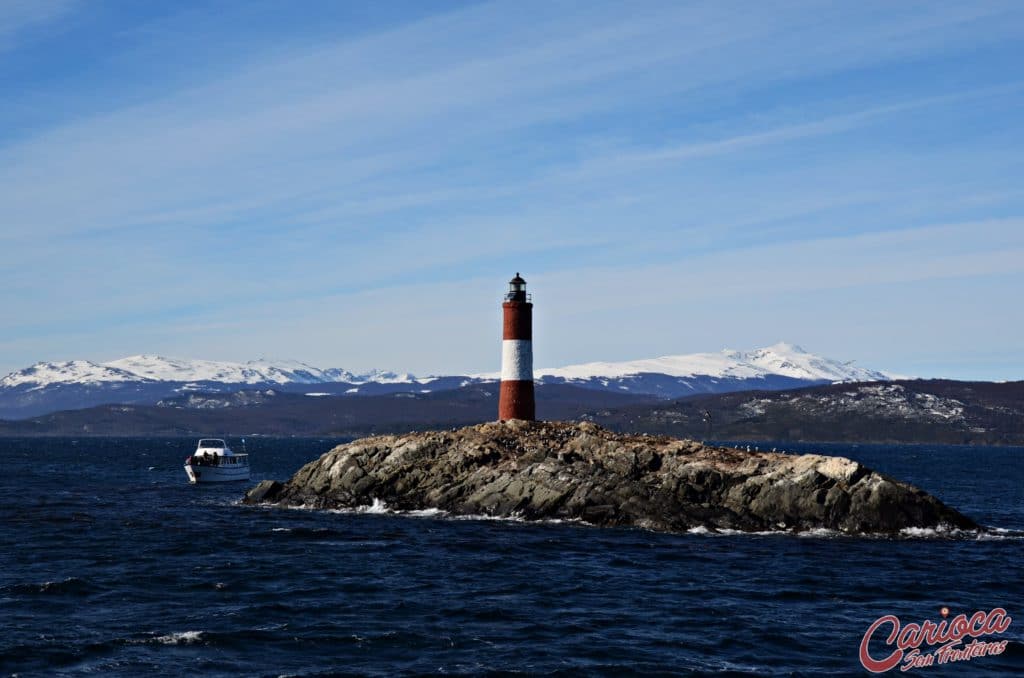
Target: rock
266	491
557	470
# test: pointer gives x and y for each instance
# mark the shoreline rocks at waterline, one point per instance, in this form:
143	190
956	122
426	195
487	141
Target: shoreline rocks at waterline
580	471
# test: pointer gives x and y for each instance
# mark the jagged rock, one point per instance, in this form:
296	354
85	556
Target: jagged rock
266	491
544	470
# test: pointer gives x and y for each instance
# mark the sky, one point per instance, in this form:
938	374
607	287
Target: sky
353	184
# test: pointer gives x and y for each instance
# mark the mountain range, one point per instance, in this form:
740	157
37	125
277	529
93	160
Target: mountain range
148	379
915	411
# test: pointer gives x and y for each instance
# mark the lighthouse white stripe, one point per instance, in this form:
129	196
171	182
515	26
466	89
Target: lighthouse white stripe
517	360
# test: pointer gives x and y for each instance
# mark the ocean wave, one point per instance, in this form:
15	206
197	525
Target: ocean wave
300	533
243	637
940	532
949	532
180	638
380	507
704	530
931	532
998	534
75	585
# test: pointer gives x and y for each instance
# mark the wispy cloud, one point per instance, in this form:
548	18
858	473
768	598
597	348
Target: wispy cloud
272	131
18	17
616	138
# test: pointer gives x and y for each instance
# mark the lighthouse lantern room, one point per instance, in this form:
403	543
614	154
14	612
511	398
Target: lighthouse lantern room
516	289
516	400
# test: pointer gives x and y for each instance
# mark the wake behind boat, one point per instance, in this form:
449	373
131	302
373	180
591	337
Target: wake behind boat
215	462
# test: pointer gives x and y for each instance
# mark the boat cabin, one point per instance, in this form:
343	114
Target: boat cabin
215	452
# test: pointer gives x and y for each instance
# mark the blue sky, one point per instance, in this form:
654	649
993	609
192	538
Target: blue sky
353	185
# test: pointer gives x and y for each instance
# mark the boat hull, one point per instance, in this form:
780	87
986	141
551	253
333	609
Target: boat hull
216	474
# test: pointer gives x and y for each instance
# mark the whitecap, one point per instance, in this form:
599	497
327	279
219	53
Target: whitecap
820	532
513	518
706	531
999	534
426	513
941	530
378	506
180	638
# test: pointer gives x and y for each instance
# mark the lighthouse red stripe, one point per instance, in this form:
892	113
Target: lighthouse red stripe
517	401
518	320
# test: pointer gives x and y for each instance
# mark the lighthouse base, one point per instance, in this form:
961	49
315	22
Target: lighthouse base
516	401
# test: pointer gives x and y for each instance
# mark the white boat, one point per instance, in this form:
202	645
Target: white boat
214	462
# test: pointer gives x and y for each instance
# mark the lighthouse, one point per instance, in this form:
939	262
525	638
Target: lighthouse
516	400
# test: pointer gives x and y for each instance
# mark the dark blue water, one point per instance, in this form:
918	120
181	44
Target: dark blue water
110	564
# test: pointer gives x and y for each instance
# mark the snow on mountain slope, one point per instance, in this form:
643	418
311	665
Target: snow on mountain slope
385	377
781	359
260	371
66	372
792	361
252	372
154	368
147	379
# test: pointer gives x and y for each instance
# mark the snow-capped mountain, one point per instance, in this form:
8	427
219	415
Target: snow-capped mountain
41	375
51	386
778	367
146	379
158	368
785	360
153	368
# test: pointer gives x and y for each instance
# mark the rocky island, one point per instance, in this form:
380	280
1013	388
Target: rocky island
580	471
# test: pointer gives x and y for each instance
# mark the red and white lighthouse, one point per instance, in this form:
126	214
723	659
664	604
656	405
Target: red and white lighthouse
516	400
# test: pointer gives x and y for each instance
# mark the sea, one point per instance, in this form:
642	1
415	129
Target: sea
112	565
